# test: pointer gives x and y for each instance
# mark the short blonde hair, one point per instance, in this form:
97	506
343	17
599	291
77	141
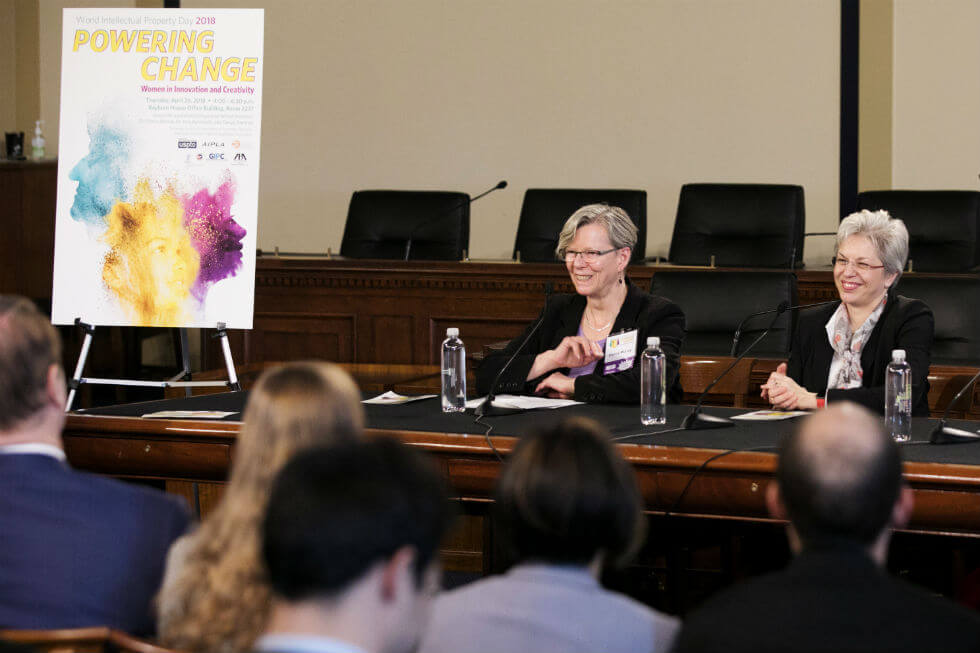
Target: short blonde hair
620	229
888	236
218	600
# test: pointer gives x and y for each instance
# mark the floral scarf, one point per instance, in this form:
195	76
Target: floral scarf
845	368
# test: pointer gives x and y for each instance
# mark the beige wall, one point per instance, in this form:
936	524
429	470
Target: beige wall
8	68
875	97
937	94
456	94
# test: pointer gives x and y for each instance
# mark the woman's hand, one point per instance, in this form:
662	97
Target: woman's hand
786	394
572	351
557	386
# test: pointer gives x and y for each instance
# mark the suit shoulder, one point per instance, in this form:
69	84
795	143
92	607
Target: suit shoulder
149	502
657	305
910	306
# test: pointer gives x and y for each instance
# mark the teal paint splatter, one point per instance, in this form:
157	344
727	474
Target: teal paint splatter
100	174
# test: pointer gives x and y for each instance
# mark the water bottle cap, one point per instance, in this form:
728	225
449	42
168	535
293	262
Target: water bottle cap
452	332
898	355
653	341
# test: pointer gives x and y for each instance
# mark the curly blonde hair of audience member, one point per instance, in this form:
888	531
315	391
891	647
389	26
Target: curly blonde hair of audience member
215	597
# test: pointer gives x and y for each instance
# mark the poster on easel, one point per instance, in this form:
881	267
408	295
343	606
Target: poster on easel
158	167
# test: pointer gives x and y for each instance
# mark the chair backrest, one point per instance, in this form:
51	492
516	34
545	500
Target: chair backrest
545	211
97	639
943	225
955	304
714	303
698	372
380	222
741	225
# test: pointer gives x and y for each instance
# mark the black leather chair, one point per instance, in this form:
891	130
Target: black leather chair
943	225
741	225
545	211
715	303
380	224
955	304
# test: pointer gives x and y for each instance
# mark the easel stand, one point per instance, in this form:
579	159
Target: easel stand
78	380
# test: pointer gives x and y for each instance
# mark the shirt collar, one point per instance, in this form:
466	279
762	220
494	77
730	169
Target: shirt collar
294	643
35	448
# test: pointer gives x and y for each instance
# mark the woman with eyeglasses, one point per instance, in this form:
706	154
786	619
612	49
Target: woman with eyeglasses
588	345
840	352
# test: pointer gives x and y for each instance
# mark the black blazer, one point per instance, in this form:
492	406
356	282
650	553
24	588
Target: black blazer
904	324
832	600
649	314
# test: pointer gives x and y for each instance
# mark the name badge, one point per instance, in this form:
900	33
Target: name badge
620	352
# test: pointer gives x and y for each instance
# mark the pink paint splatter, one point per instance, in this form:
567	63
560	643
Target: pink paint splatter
215	235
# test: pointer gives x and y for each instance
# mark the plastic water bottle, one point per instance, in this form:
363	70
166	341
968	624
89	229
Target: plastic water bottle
898	397
653	383
453	373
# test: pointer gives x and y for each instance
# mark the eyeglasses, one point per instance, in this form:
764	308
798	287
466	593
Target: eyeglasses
860	266
588	255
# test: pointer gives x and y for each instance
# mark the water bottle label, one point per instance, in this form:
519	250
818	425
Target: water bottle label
620	352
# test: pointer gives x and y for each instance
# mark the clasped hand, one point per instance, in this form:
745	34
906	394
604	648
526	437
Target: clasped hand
786	394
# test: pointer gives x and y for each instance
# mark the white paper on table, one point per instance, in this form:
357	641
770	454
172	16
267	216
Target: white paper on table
768	415
189	414
522	402
393	399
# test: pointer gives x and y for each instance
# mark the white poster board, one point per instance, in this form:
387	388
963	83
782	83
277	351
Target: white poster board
158	167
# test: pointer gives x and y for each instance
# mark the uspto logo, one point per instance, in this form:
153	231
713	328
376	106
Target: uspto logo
186	145
217	156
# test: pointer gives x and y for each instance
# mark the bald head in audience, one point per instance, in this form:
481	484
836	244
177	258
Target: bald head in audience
840	480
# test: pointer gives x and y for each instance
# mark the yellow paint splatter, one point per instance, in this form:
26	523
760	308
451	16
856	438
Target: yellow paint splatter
151	264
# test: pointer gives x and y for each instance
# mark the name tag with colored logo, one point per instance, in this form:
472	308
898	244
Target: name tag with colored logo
620	352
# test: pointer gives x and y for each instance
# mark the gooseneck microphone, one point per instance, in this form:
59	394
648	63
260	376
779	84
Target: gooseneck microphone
425	223
738	331
943	434
696	420
486	408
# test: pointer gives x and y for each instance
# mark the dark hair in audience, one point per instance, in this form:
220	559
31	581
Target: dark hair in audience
840	478
566	494
335	511
29	346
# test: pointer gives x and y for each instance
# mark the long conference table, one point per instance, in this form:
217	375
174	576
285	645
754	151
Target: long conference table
192	457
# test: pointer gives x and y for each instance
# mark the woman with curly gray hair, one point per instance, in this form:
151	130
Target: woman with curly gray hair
840	352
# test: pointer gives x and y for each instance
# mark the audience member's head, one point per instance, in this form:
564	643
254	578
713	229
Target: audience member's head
350	536
31	378
566	496
216	597
839	479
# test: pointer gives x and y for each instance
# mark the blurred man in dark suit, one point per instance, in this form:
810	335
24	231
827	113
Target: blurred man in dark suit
839	484
75	549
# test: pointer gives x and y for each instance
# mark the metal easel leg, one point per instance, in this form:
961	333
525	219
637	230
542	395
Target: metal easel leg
76	379
229	363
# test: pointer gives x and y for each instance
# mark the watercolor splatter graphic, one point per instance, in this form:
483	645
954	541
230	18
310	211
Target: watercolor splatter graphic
214	234
151	264
100	174
165	249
